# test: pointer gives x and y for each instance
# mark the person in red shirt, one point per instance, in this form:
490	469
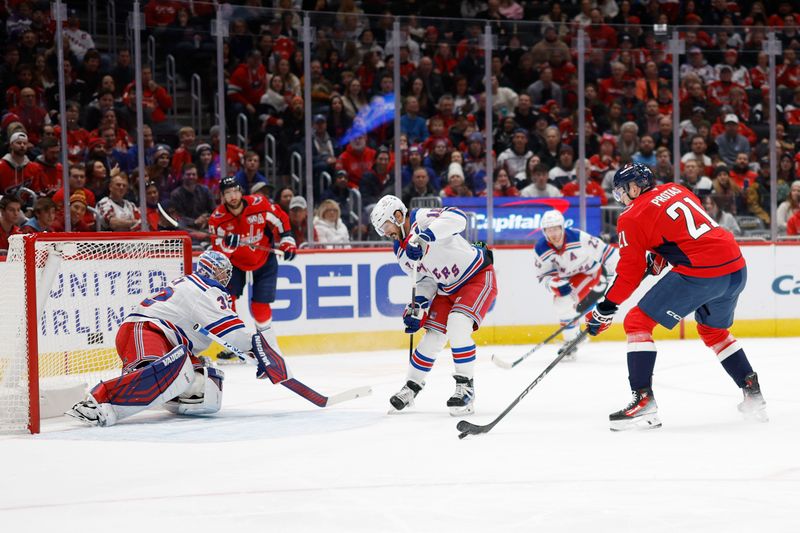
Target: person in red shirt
161	13
793	224
77	137
10	207
155	98
241	222
31	114
183	153
356	159
77	183
15	167
708	274
612	88
246	86
81	220
52	170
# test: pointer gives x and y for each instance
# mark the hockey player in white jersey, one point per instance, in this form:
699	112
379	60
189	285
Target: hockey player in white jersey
157	343
572	263
455	287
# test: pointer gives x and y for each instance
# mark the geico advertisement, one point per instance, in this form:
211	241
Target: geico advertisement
88	300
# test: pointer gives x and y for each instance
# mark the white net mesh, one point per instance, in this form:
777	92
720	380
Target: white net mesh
84	289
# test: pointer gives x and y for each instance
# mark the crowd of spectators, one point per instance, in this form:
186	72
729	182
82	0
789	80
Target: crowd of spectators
721	108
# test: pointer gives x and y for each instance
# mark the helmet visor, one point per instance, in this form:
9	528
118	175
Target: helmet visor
385	228
618	192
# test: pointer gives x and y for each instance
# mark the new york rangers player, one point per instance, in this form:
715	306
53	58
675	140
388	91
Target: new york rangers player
572	263
455	287
157	344
708	274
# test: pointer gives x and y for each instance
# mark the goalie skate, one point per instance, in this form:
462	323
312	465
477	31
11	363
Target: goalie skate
462	402
92	413
753	407
405	397
641	413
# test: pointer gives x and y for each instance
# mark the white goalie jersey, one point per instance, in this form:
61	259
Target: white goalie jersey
581	256
449	261
189	300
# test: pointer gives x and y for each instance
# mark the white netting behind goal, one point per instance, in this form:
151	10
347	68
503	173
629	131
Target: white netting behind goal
84	289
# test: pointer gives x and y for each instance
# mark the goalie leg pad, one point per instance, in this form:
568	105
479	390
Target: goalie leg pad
270	363
149	386
203	397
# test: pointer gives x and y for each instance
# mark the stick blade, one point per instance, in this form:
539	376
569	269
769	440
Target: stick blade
468	428
502	363
351	394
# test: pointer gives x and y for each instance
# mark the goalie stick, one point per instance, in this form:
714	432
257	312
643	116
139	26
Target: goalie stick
582	307
467	428
176	225
294	385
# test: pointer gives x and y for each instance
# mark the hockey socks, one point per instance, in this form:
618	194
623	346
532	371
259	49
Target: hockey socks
464	360
640	369
738	367
729	353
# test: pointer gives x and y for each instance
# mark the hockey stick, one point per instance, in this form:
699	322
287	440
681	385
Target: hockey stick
299	388
176	225
413	301
583	306
468	428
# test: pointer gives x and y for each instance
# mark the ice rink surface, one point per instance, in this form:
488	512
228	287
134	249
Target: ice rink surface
270	461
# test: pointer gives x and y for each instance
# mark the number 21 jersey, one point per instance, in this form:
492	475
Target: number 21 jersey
669	220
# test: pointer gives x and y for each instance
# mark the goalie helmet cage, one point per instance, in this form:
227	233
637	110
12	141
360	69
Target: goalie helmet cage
64	296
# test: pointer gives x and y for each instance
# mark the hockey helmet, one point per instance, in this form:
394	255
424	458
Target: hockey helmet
384	211
552	219
636	173
229	182
214	265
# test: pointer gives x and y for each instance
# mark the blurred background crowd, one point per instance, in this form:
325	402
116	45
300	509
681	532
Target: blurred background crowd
722	108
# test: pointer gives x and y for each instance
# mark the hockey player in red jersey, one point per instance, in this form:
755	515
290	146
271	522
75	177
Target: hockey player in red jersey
663	225
241	223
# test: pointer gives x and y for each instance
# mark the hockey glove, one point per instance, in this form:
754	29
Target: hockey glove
655	264
560	287
231	240
600	318
414	251
270	363
414	316
288	248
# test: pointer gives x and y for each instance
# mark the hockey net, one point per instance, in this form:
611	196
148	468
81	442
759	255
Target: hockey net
82	286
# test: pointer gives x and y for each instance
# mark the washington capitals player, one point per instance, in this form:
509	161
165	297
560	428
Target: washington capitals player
708	274
241	221
455	287
572	263
157	343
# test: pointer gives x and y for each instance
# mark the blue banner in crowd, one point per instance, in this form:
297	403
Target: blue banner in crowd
517	219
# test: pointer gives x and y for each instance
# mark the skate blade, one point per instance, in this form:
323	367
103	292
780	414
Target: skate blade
759	416
641	422
462	410
78	416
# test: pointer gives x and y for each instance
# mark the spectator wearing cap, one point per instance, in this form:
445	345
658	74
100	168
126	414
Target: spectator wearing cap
456	183
540	186
246	85
322	151
44	216
544	89
52	170
565	170
646	154
730	196
515	157
698	66
118	213
731	142
249	174
356	160
15	167
411	123
298	220
77	183
413	162
192	202
739	73
328	226
690	126
340	193
79	40
81	220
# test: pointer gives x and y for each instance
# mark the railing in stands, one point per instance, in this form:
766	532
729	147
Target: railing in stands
242	131
151	54
270	162
92	26
111	27
196	103
325	181
355	199
295	172
172	85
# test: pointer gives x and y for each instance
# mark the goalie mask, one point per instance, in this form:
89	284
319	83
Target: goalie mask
216	266
384	213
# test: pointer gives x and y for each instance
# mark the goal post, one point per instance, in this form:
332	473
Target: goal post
64	296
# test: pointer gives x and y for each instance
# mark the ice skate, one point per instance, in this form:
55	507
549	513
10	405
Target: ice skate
462	402
405	397
92	413
572	355
753	407
641	413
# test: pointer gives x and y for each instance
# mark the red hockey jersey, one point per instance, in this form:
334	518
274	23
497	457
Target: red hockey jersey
255	226
669	220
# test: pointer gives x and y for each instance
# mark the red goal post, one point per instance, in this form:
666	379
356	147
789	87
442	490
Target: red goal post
65	295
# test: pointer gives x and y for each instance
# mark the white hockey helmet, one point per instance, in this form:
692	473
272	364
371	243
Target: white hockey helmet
552	219
214	265
384	211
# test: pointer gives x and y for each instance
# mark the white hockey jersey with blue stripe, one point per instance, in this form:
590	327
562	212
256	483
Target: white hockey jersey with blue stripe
189	300
449	260
581	253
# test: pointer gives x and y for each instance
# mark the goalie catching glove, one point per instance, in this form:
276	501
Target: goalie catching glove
415	315
270	363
